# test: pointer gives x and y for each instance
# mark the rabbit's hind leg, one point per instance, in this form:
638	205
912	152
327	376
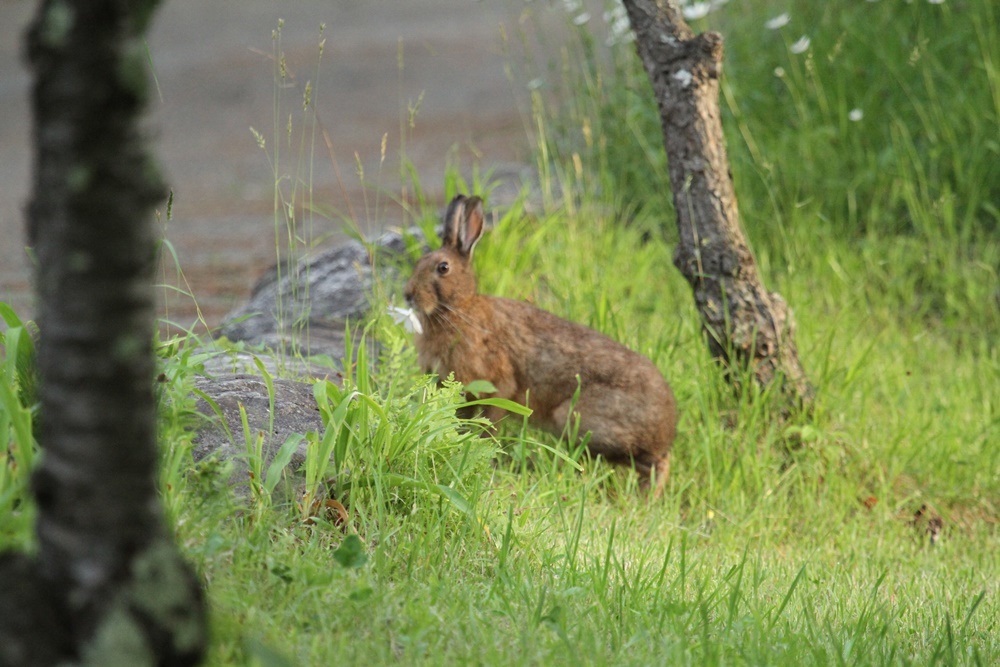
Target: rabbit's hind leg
653	472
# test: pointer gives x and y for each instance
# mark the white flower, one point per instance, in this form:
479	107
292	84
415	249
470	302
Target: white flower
619	27
800	46
698	10
580	19
407	317
778	21
779	72
854	115
936	2
615	14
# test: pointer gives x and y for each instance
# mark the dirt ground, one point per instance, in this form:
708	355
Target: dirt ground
215	76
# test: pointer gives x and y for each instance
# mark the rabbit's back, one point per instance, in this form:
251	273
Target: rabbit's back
550	358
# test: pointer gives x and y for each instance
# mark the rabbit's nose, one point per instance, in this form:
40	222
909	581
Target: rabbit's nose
408	295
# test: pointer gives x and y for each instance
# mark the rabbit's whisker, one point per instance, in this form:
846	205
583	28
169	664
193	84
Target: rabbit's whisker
466	319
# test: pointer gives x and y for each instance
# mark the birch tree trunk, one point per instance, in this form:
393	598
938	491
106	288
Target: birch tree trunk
745	325
107	586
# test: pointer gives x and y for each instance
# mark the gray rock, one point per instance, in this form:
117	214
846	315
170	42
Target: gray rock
295	411
305	312
276	359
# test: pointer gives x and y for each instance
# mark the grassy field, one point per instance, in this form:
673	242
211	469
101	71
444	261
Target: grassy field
867	165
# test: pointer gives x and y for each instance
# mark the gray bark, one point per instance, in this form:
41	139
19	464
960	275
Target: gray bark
106	566
745	325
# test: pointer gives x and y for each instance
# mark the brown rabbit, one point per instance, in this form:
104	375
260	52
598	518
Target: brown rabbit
532	355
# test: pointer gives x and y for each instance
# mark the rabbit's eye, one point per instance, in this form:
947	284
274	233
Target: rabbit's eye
443	268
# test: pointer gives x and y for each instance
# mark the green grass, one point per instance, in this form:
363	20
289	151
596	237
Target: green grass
778	541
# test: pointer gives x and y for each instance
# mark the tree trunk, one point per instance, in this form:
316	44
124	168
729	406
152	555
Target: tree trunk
745	325
106	568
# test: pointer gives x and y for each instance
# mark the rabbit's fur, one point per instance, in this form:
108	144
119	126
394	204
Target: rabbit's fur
533	357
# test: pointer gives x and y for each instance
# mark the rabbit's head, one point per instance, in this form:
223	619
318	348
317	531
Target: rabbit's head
443	281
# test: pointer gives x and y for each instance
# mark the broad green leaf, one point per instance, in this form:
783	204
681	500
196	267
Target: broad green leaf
479	387
351	553
280	462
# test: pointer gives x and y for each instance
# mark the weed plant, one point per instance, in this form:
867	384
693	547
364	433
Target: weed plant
862	533
18	411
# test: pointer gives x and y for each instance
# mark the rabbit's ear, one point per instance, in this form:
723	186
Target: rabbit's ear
453	222
473	228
